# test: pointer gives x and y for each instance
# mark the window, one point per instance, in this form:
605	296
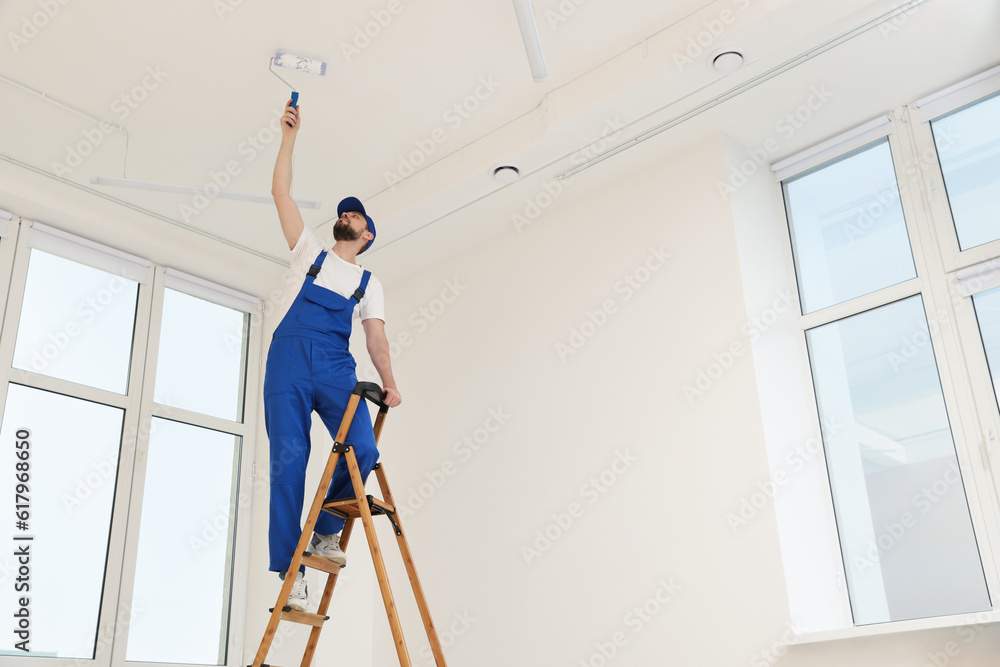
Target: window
847	228
76	323
72	465
881	325
908	545
120	374
968	145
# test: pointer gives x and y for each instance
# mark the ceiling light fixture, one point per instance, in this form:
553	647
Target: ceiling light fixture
506	174
188	190
532	43
727	62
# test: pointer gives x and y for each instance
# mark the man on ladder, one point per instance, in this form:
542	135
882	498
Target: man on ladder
309	365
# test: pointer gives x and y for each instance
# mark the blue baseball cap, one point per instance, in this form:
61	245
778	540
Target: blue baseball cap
353	204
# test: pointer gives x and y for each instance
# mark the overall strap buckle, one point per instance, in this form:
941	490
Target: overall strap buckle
360	292
317	264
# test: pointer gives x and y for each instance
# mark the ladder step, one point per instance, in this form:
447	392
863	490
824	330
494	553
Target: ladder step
348	508
303	617
317	563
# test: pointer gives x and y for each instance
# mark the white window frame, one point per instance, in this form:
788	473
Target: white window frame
820	607
139	410
922	113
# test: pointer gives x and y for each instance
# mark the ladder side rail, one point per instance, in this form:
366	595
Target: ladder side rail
383	577
411	571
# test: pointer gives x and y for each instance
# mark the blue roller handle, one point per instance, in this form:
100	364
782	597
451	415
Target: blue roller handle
295	103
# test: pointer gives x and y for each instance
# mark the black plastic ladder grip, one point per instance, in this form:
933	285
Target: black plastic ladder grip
372	392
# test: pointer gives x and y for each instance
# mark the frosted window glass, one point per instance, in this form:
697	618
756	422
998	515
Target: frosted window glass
202	356
848	233
73	467
76	323
968	145
902	516
183	574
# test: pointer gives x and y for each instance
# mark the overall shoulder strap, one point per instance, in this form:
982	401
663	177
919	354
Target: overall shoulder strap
317	265
360	292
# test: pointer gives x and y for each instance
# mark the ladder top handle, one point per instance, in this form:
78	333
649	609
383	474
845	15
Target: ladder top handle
372	392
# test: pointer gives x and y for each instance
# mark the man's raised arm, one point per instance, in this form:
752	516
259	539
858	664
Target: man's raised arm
281	184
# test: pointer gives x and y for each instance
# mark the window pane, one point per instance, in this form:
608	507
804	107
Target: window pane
184	561
73	467
848	233
201	360
988	313
905	530
968	145
76	323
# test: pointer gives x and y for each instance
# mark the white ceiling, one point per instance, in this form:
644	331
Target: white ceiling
609	62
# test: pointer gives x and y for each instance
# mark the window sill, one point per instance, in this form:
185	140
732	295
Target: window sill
892	627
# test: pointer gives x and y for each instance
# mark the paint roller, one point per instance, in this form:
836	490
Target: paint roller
298	64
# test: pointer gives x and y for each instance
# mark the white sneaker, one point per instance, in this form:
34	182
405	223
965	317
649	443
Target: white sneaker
328	547
298	599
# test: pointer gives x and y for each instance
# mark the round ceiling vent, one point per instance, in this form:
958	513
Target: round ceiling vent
506	174
727	61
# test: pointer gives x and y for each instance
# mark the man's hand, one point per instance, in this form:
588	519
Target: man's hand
291	117
392	397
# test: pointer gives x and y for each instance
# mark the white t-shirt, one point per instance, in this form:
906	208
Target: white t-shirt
337	275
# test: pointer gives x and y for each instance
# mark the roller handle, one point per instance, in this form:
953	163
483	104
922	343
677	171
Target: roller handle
295	103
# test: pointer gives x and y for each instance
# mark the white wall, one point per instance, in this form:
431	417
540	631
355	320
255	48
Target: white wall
663	518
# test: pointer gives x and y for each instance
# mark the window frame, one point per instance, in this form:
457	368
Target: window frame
112	626
245	429
957	347
924	111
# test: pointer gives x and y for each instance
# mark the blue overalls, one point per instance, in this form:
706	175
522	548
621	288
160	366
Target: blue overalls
309	367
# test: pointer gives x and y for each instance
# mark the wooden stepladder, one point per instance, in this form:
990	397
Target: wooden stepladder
350	509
